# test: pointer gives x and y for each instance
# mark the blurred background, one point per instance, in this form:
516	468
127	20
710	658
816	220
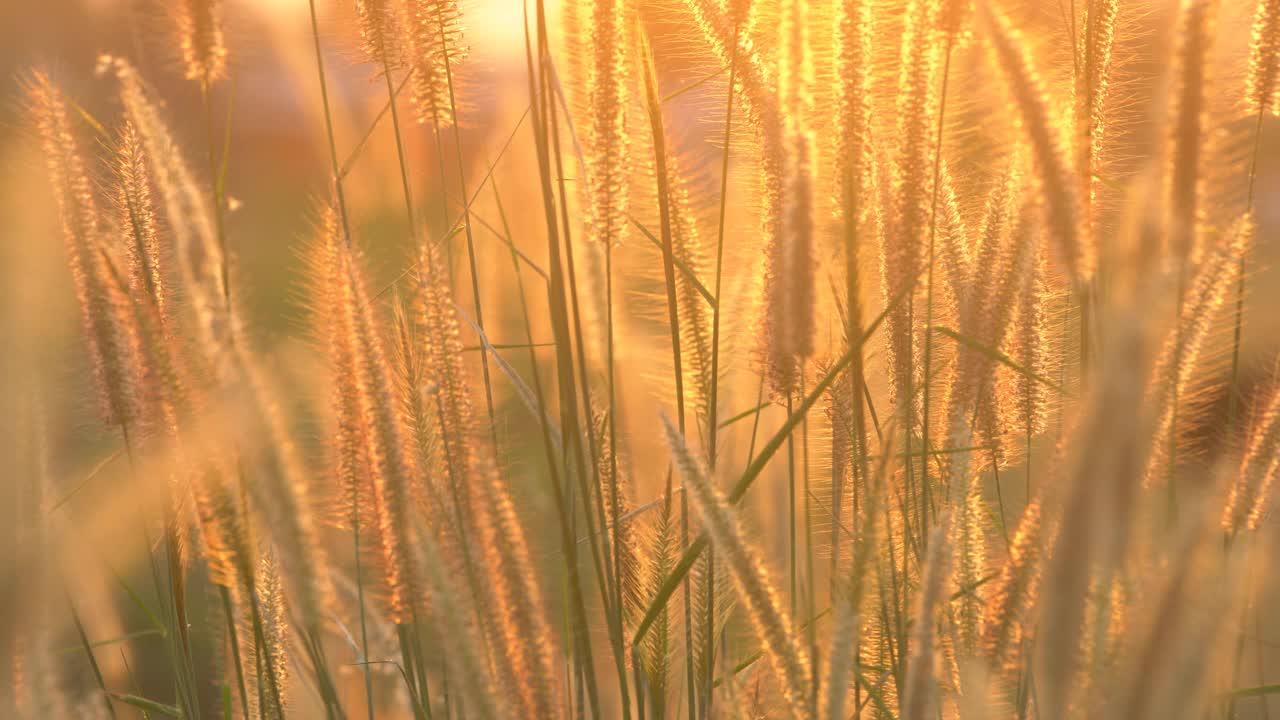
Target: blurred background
269	108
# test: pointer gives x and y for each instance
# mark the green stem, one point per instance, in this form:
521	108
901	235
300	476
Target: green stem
364	626
93	662
395	126
232	636
466	224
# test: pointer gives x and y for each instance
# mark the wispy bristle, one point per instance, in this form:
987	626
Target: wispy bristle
188	219
373	454
464	646
1248	498
1030	339
450	395
1014	590
729	37
282	499
1092	88
329	298
394	475
137	219
854	152
987	301
789	282
958	243
912	182
412	385
615	487
607	149
224	530
1178	362
654	655
720	29
694	312
520	608
856	180
268	662
920	693
969	546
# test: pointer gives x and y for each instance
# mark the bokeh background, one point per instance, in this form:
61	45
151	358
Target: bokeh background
270	109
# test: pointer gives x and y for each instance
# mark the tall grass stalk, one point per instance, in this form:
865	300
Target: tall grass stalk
713	402
947	50
538	98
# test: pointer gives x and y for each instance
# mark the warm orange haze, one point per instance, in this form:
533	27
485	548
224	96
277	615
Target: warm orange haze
639	359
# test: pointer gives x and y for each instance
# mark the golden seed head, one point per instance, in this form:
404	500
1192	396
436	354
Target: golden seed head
104	305
137	218
1059	188
607	145
435	51
1264	59
204	53
381	24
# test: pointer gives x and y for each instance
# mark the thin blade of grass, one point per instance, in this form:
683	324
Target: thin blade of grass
693	85
680	264
527	396
148	705
364	140
999	357
743	415
93	661
102	465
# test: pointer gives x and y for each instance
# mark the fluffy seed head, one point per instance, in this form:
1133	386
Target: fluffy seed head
1091	92
1248	500
1179	359
449	394
912	182
200	35
607	148
789	282
375	463
773	625
1187	136
187	217
435	50
1264	59
1026	87
381	23
266	642
136	218
103	305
